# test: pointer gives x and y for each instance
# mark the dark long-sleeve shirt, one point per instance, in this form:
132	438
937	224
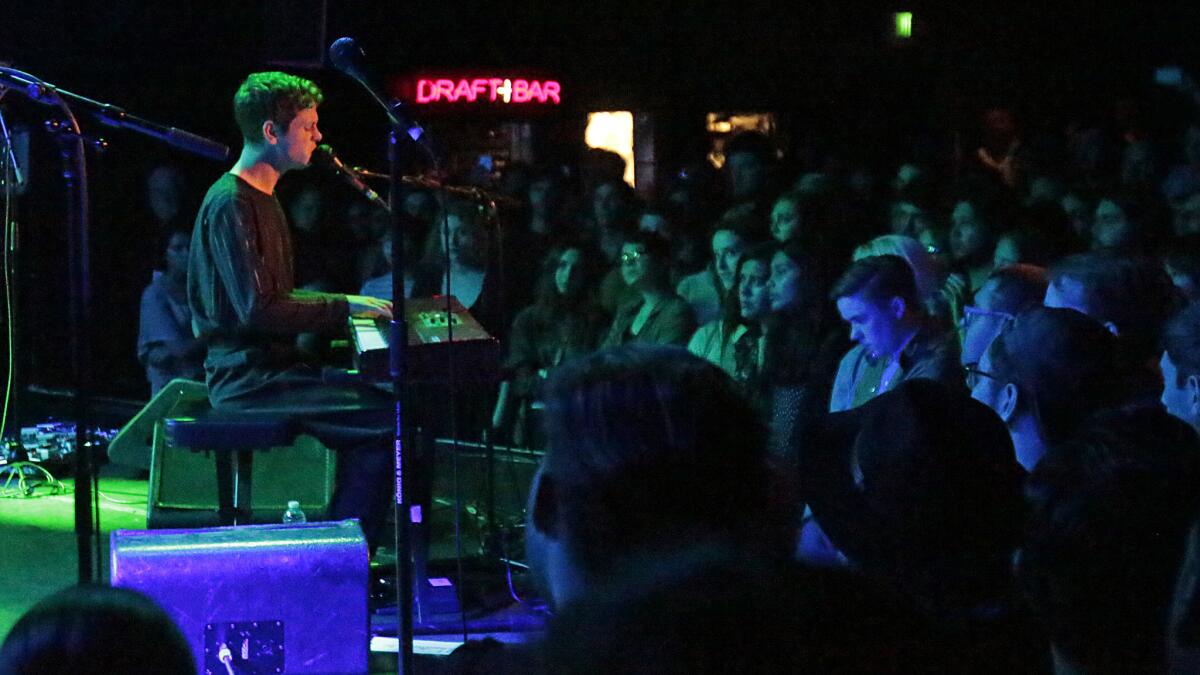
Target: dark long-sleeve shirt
240	278
241	285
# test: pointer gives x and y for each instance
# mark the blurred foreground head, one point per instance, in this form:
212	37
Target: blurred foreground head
651	451
94	630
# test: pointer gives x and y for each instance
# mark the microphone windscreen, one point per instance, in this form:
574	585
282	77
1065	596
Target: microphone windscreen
324	154
347	56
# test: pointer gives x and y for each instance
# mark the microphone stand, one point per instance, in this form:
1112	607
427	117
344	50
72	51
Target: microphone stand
398	340
347	57
72	149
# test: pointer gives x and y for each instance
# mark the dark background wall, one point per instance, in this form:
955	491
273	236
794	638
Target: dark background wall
831	69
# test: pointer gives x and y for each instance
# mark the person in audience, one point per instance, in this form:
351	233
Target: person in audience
1110	511
919	489
788	358
657	315
166	347
1132	297
655	218
897	340
166	194
1121	224
96	630
909	211
381	286
747	303
365	235
530	235
1045	189
1139	167
927	272
1008	291
1183	179
1183	623
750	174
705	291
563	324
910	219
609	225
545	200
786	218
972	241
1000	154
1186	221
1079	206
318	267
613	209
1025	246
1182	264
474	279
1045	374
1180	364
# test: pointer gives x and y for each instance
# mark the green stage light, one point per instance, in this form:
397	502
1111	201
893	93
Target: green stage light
904	25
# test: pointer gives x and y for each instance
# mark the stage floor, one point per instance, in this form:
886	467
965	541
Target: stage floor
38	534
39	557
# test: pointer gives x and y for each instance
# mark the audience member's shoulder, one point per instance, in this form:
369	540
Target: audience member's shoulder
694	283
676	305
726	619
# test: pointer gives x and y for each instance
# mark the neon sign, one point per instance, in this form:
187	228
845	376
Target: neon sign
489	89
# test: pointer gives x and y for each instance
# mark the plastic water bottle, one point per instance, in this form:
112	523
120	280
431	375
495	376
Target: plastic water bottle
294	515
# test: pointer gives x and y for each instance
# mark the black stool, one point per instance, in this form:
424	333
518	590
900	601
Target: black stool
232	438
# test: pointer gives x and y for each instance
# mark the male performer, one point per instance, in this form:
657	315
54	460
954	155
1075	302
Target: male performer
245	305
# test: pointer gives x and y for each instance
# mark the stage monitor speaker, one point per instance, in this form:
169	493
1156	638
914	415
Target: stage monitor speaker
183	484
257	598
134	443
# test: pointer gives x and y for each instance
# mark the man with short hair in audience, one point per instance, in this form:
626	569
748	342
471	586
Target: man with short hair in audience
1180	363
1132	297
1006	293
897	339
1110	515
919	488
1045	374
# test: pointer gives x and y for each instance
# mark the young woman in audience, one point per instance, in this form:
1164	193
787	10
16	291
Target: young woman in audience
564	323
745	306
789	353
657	314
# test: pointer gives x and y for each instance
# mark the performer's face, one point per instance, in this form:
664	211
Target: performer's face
297	144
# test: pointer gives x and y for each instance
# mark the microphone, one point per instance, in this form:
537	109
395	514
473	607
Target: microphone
347	57
325	156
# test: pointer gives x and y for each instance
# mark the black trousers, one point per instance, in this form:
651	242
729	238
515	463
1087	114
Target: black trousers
355	421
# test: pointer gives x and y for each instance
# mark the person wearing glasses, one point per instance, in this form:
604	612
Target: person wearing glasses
1007	292
657	314
1046	374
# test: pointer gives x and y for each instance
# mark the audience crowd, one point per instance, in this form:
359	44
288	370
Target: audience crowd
793	420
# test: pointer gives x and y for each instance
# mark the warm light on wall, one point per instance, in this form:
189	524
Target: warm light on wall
725	125
612	131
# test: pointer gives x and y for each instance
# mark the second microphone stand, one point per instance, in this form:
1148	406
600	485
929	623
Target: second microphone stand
398	339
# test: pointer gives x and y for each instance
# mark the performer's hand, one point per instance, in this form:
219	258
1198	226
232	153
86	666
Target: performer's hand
365	305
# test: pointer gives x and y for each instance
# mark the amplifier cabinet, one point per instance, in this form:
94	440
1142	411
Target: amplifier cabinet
258	598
